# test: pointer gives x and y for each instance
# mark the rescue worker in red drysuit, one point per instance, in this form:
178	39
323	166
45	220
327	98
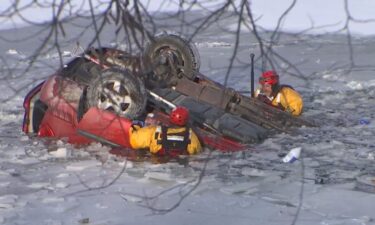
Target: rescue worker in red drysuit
175	139
273	93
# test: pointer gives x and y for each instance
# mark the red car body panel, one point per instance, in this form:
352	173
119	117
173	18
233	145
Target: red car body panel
105	126
60	119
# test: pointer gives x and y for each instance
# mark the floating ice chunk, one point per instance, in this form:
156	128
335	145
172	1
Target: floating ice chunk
52	199
3	173
241	188
332	77
12	52
84	221
213	44
350	105
62	185
4	184
60	153
79	166
355	85
24	138
253	172
365	219
8	201
26	161
6	206
371	156
38	185
365	183
66	53
131	198
101	206
62	175
278	201
126	163
159	176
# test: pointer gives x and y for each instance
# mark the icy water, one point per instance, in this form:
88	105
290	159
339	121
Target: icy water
332	182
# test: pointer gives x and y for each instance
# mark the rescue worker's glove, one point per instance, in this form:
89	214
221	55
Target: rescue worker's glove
136	124
264	99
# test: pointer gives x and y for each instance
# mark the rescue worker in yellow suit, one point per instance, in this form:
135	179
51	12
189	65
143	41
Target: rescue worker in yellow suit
283	97
161	140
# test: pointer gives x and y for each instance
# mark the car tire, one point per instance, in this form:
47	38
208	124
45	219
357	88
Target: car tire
185	55
118	91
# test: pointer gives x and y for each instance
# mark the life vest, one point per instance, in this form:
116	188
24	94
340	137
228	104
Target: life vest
172	142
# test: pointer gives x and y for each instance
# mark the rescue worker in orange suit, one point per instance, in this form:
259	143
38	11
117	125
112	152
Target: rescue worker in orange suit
161	140
273	93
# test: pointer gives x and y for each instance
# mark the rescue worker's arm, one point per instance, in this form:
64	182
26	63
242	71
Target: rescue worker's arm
141	138
261	97
291	101
195	146
256	92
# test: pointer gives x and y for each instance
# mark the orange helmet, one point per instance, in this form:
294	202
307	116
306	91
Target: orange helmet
179	116
269	77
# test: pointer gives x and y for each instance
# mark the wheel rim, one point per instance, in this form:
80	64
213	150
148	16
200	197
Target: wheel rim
114	96
176	59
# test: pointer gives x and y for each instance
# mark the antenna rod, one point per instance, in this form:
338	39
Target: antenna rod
252	75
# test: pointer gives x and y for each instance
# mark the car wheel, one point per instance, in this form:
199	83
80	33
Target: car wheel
118	91
171	57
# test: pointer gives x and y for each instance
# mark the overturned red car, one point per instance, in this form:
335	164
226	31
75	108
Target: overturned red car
98	95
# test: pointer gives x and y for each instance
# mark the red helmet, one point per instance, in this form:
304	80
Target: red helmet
179	116
269	77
